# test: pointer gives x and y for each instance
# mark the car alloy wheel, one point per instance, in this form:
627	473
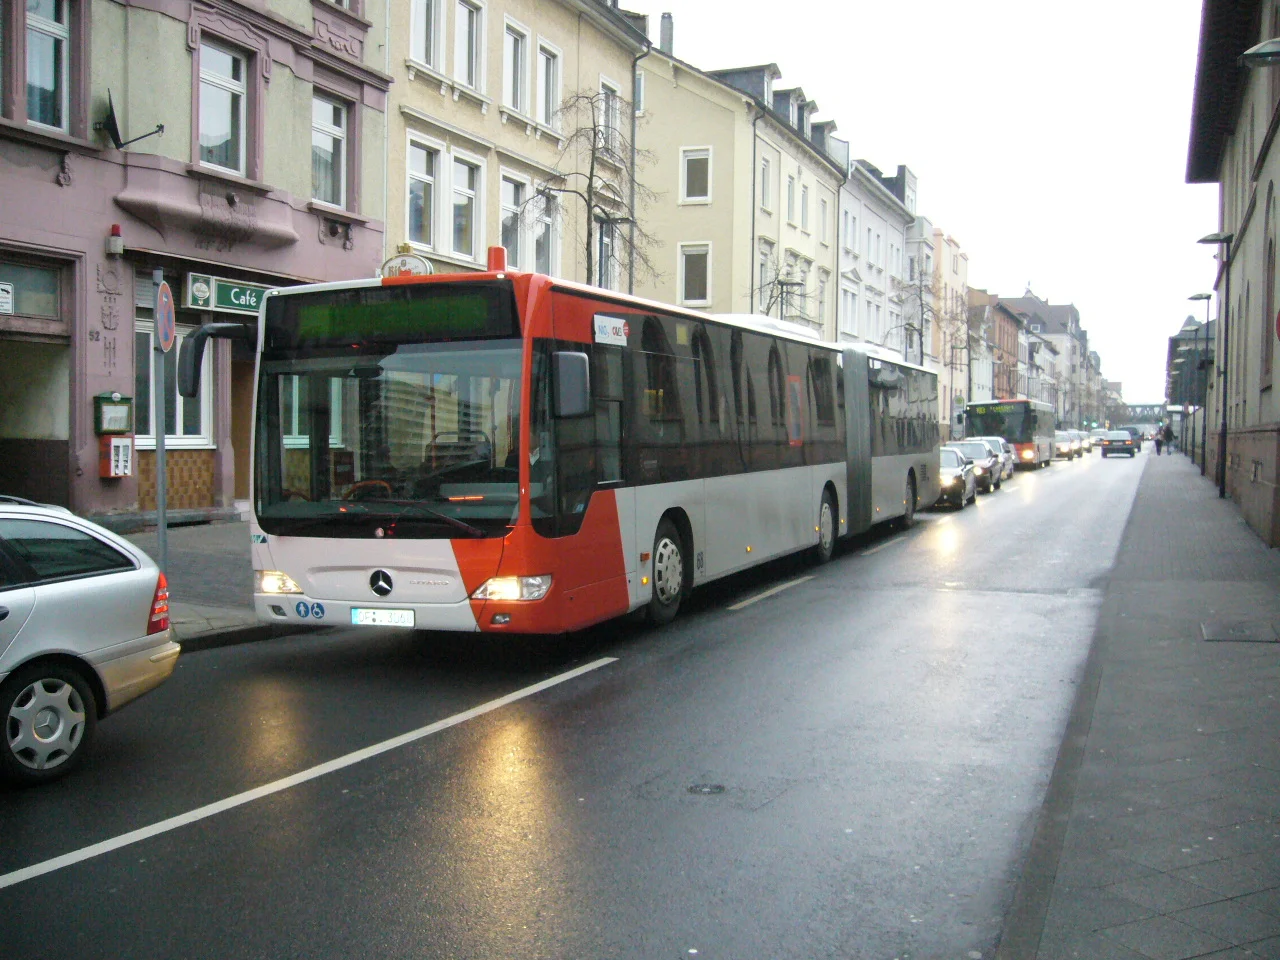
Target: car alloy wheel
49	716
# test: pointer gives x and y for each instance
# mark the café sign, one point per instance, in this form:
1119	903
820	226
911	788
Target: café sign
204	292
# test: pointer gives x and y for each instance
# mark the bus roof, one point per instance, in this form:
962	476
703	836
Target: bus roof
756	323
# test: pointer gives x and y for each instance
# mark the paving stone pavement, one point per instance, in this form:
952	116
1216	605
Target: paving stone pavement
1160	834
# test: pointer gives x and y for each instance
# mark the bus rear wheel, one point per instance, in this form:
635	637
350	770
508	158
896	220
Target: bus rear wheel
826	528
909	504
668	573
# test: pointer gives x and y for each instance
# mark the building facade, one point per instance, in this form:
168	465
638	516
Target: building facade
876	300
498	110
269	172
746	190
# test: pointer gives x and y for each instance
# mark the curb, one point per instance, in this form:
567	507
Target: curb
1024	923
233	636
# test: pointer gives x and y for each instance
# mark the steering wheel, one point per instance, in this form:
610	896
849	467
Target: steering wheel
361	490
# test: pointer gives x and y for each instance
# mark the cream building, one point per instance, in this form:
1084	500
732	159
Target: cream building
746	192
1232	144
477	131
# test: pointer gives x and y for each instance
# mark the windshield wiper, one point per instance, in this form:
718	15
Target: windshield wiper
417	506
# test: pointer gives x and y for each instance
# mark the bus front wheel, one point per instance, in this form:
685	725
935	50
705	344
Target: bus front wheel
668	573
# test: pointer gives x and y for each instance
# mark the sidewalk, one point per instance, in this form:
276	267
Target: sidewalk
210	585
1159	836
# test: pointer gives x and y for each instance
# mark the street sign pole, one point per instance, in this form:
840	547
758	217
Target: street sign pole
165	335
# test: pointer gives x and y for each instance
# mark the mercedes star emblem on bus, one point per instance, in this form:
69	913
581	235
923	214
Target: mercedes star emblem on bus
380	583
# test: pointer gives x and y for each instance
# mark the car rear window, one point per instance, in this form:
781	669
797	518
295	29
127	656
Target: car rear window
54	551
949	458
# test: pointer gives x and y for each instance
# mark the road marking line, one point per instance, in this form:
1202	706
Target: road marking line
330	766
880	546
770	592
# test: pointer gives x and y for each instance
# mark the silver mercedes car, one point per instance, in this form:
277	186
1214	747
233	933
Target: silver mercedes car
84	629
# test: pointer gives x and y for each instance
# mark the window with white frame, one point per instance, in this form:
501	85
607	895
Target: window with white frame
548	85
822	221
879	250
513	197
223	99
425	42
423	163
639	96
869	250
188	420
695	273
515	64
695	175
544	235
606	253
791	199
804	208
766	191
466	201
468	43
328	150
821	313
848	311
48	43
610	116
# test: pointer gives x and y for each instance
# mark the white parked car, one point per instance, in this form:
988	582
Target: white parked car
84	629
1007	454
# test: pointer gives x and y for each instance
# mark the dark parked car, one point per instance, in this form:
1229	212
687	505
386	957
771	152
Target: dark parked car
956	474
988	467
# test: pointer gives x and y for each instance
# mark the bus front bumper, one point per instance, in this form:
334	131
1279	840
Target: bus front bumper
295	609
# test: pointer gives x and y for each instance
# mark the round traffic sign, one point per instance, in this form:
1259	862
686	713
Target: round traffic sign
166	319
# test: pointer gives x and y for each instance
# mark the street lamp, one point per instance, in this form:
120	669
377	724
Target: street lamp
1264	54
1202	356
1221	238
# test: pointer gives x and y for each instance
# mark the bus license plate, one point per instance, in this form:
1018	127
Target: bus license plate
366	617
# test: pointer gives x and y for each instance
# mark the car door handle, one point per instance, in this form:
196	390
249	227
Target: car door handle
4	612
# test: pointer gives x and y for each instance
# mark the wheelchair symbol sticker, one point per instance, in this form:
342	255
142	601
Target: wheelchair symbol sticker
317	611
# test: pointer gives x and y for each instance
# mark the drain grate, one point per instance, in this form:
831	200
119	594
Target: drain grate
706	789
1240	631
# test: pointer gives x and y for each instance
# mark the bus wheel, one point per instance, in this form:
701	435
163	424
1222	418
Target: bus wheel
826	528
909	503
668	573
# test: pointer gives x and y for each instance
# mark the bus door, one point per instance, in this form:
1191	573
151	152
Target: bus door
595	527
857	415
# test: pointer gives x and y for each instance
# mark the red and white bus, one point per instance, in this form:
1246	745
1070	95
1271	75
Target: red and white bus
1027	424
509	452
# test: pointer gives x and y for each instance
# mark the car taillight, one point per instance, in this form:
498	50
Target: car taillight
158	622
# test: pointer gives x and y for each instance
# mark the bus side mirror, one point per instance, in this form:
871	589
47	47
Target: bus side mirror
572	374
191	353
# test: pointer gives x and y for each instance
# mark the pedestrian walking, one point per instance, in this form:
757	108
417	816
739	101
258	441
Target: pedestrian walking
1159	441
1168	439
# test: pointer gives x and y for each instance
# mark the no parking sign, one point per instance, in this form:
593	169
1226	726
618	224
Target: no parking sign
166	319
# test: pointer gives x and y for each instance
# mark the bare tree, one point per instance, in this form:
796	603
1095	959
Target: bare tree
595	168
782	291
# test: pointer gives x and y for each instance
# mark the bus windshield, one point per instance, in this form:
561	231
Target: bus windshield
1016	422
388	416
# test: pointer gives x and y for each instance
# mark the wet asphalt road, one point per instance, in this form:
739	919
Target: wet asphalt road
850	767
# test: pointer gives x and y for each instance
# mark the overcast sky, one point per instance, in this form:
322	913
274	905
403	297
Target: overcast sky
1049	139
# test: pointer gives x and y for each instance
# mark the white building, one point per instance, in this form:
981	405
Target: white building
875	212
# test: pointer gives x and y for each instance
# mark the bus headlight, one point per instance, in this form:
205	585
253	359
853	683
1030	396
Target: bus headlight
273	581
1028	454
514	588
948	481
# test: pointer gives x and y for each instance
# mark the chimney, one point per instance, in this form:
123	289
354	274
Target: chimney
666	35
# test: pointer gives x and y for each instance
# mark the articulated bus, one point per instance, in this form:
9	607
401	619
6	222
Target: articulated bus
508	452
1027	424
